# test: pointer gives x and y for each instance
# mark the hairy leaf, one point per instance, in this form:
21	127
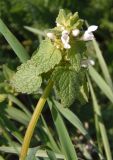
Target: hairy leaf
26	79
69	85
65	82
47	57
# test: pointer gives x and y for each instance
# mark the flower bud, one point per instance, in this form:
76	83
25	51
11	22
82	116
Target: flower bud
75	32
51	35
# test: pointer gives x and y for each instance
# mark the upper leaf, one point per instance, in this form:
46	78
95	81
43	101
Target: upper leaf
26	79
61	19
47	57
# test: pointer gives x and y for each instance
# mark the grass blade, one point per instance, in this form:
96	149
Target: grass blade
19	104
17	115
35	31
39	153
51	139
102	64
51	155
66	144
14	43
71	117
101	124
101	83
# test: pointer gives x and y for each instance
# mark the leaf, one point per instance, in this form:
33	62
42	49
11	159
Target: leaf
8	73
47	57
17	115
31	154
54	146
68	83
102	64
26	79
101	83
100	122
51	155
75	54
35	31
66	144
14	43
61	17
71	117
39	153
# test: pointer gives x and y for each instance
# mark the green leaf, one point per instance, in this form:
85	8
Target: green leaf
54	146
65	83
102	64
8	73
66	144
100	122
39	153
35	31
75	54
71	117
47	57
61	17
68	84
14	43
26	79
17	115
51	155
31	154
101	83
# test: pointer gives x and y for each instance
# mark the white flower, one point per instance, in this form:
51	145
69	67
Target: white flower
65	39
88	35
75	32
51	35
92	28
67	46
87	62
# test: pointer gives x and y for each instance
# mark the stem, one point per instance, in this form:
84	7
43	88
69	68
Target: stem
33	121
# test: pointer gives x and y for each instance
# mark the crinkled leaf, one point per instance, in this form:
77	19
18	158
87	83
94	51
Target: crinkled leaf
75	54
26	79
68	85
47	57
65	83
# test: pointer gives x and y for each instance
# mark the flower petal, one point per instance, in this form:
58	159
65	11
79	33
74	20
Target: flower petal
92	28
88	36
67	46
65	38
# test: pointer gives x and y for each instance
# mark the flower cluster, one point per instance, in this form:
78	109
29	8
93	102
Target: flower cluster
70	29
65	35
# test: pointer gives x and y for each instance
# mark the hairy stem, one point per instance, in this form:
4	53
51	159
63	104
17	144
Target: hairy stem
33	121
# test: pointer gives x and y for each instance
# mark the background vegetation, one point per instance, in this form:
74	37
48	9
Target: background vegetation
16	109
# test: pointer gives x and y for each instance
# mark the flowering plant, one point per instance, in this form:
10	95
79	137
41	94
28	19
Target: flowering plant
62	58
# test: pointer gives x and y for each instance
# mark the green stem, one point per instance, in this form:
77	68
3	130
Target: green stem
33	121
